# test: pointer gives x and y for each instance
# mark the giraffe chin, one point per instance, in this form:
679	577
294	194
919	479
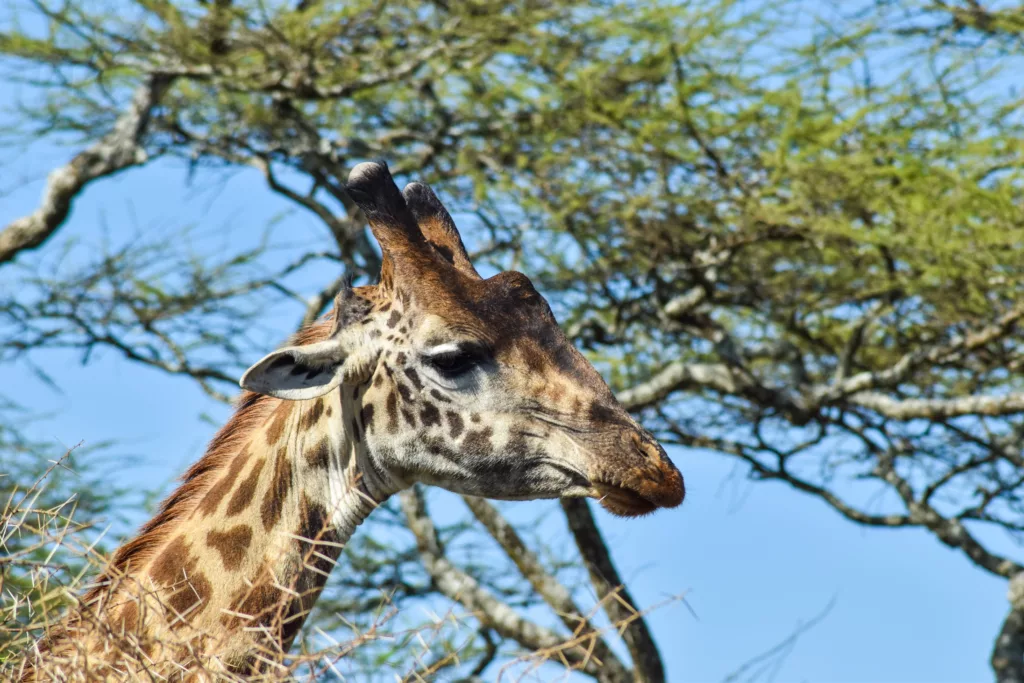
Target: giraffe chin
623	502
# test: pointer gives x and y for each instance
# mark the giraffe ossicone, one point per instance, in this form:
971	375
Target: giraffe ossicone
434	375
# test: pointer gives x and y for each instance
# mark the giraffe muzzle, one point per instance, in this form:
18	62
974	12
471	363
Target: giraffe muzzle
652	483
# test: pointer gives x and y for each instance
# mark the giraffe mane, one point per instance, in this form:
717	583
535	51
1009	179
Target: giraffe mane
251	412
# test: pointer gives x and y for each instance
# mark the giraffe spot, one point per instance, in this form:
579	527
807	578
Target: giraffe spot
291	623
231	544
394	318
378	379
455	424
313	522
429	415
438	396
475	418
392	408
129	618
404	391
267	606
211	500
243	495
410	419
444	250
414	377
273	502
261	603
187	590
386	307
316	535
400	358
437	446
276	427
357	433
319	456
170	564
375	334
602	413
190	599
518	446
366	415
312	416
329	411
533	358
478	442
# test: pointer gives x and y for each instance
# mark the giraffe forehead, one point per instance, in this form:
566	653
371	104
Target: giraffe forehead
508	315
516	324
436	329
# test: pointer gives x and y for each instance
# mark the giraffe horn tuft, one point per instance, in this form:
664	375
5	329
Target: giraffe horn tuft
437	227
372	188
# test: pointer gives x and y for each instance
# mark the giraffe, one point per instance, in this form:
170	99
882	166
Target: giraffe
433	375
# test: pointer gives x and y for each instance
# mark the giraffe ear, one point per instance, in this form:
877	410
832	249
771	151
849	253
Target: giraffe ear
297	373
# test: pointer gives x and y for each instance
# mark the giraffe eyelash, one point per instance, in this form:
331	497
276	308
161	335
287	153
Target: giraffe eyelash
454	360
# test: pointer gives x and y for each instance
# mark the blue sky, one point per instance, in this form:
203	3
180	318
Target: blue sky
754	560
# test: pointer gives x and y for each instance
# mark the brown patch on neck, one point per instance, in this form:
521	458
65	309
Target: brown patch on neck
253	412
276	429
186	590
277	492
245	490
312	416
231	544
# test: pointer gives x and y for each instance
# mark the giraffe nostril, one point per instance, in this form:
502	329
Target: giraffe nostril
643	446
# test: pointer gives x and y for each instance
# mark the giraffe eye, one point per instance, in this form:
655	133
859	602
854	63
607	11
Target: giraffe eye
453	362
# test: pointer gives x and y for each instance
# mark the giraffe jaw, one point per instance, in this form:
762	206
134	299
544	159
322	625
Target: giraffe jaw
641	493
623	502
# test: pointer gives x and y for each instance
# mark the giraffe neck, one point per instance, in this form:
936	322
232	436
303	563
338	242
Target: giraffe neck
240	573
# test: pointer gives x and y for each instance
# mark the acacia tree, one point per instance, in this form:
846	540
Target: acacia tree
792	239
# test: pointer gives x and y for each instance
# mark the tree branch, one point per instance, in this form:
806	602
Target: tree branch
1008	653
620	608
553	592
119	149
459	586
938	409
732	380
676	376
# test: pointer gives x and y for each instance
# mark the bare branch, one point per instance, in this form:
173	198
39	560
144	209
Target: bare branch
1008	653
938	409
119	149
678	376
939	354
553	592
459	586
620	607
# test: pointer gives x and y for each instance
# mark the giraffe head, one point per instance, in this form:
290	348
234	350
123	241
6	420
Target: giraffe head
463	382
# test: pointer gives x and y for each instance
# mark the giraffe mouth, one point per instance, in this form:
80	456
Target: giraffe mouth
623	502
